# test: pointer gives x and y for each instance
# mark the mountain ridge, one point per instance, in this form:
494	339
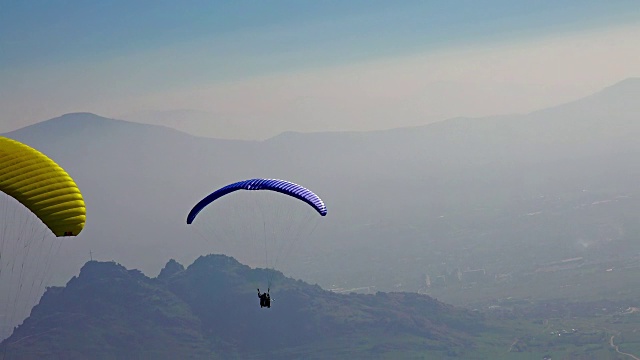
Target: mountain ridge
629	86
210	309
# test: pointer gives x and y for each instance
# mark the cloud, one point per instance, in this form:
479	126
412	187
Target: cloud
468	81
480	80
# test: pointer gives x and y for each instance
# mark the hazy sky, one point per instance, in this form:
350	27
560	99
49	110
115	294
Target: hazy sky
310	65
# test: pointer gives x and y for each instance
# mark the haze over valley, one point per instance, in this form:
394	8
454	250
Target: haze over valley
510	195
477	163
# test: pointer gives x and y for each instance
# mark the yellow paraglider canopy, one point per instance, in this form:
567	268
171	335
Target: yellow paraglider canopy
42	186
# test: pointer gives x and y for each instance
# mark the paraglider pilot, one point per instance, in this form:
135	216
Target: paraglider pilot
265	299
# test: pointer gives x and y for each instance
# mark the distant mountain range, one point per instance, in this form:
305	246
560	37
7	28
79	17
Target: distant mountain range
210	310
503	194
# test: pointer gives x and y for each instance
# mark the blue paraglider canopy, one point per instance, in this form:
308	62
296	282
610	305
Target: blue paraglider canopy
281	186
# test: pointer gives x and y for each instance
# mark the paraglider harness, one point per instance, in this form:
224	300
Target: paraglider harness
265	299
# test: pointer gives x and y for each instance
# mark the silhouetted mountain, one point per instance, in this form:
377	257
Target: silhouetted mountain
170	269
211	309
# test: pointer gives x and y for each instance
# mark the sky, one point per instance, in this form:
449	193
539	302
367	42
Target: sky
308	65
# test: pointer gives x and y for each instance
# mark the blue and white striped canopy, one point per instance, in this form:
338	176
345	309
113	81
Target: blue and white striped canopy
281	186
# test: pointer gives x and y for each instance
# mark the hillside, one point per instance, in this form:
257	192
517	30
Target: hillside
210	309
